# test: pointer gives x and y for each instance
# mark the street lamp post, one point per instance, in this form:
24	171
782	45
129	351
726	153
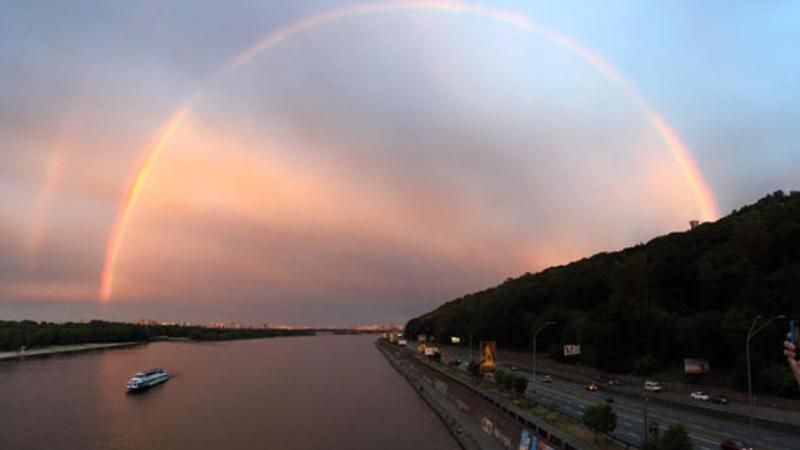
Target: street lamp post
644	423
750	334
470	348
536	333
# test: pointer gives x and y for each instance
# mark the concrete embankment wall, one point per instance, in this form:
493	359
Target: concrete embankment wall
465	439
494	418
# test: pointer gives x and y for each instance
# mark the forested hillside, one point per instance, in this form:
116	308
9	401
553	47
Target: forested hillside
645	308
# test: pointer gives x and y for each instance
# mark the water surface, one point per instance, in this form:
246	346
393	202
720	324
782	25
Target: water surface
325	392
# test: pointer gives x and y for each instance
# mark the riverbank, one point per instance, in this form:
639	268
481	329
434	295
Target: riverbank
467	434
60	349
489	417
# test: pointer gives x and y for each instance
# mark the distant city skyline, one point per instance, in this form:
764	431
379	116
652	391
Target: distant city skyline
352	163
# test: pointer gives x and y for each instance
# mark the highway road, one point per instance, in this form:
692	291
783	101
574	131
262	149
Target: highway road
705	431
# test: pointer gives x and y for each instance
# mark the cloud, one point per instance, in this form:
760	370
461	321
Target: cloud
371	169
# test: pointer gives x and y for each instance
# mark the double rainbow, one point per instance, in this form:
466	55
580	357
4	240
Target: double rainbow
702	194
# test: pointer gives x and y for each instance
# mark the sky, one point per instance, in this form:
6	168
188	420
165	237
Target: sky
340	163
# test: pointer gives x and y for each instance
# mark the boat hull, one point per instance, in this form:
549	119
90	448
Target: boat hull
141	387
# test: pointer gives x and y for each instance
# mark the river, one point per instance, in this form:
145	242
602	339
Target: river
323	392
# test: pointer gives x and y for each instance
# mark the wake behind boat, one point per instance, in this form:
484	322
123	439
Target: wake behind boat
145	380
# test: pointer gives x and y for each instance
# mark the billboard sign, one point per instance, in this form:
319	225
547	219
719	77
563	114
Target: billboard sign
572	350
431	351
542	445
527	441
696	366
488	356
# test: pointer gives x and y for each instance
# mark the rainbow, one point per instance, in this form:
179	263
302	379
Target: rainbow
702	194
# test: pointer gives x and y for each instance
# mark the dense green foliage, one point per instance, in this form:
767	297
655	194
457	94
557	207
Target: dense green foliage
644	309
511	382
601	419
14	335
474	369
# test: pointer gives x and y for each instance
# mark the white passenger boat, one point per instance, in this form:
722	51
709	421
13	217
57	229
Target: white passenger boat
145	380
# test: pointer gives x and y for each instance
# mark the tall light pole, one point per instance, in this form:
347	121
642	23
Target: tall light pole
470	347
750	334
536	333
644	422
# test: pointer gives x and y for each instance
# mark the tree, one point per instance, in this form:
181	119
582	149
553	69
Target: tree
675	438
601	419
500	378
646	365
508	382
474	369
520	385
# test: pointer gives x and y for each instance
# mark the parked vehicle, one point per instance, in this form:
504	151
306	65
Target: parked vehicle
615	382
719	399
699	395
547	379
609	399
653	386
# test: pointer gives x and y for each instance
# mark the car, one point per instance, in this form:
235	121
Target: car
733	444
719	399
592	387
547	379
653	386
514	368
615	382
609	399
699	395
601	378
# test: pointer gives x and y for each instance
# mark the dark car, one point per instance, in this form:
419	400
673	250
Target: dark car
733	444
609	399
719	399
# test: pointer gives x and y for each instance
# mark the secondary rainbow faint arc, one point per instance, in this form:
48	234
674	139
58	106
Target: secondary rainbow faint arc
702	194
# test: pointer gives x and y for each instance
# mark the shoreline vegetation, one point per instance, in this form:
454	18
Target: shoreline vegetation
30	338
61	349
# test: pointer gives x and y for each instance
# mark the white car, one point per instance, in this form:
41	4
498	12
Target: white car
652	386
702	396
